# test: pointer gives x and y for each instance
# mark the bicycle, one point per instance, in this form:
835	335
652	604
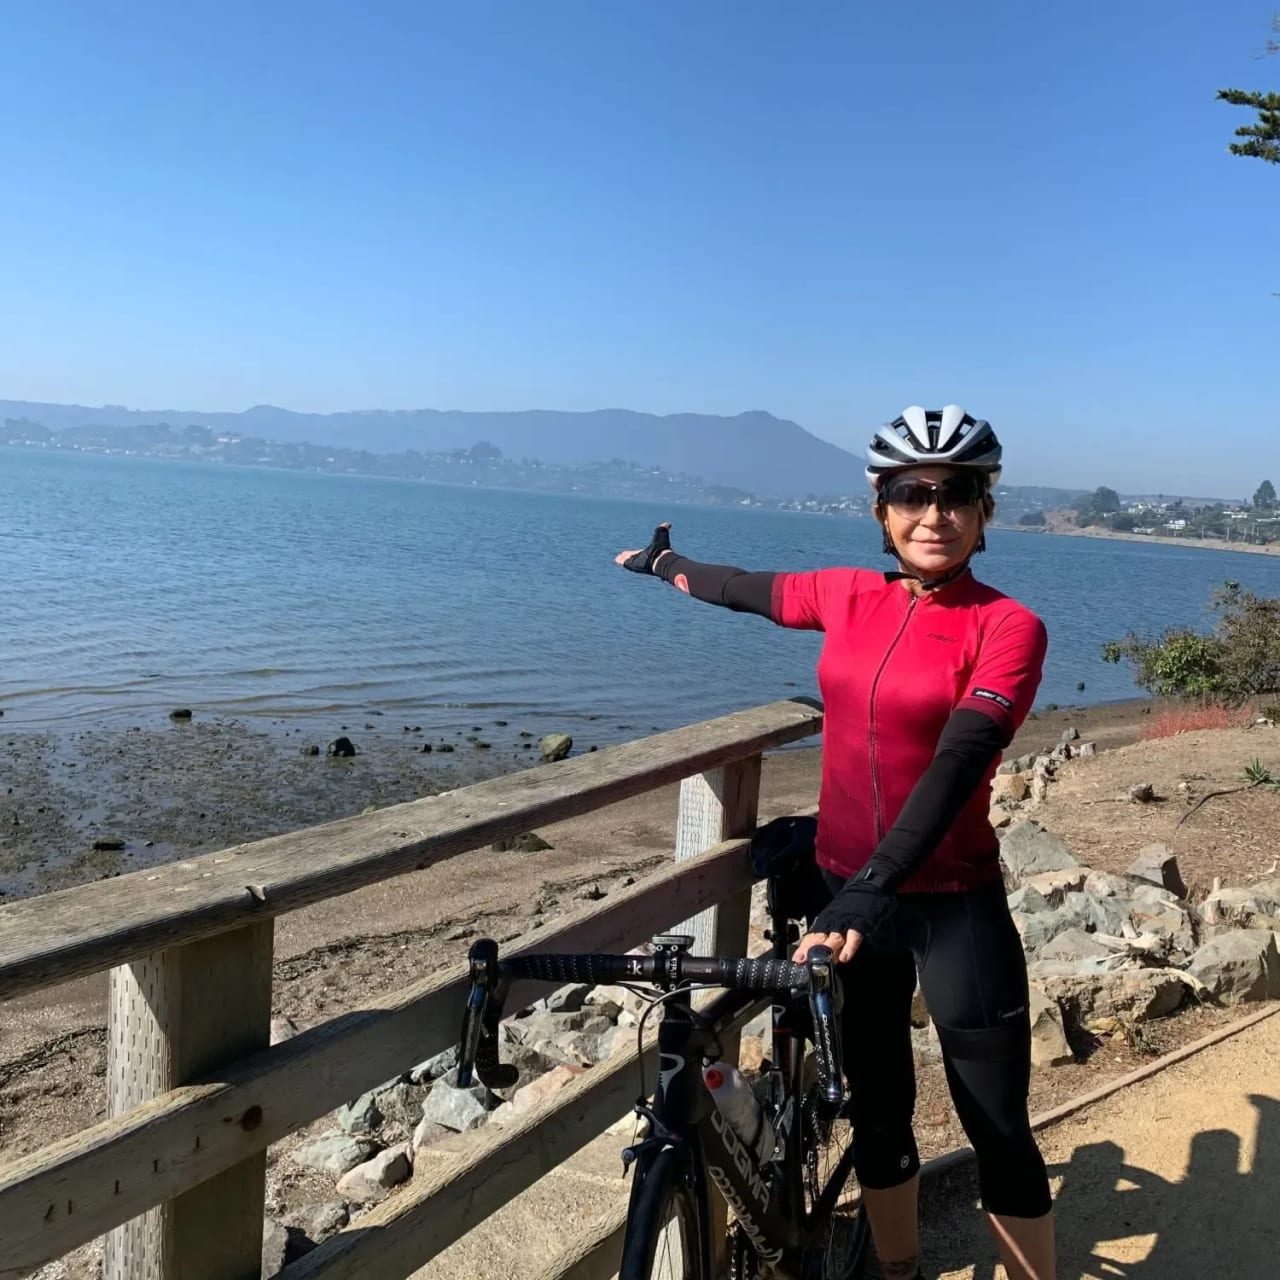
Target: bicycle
792	1218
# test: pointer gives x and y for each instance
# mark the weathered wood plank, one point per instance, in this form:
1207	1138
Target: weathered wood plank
407	1231
175	1017
595	1254
715	806
720	804
74	1190
78	931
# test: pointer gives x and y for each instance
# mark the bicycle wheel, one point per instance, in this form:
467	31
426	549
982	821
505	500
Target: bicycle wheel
839	1235
661	1241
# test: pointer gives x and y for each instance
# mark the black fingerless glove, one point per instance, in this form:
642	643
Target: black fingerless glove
643	561
861	904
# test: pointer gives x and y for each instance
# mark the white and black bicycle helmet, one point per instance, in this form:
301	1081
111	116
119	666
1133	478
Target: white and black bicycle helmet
947	436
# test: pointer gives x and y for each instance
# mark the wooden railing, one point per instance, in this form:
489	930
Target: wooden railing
175	1175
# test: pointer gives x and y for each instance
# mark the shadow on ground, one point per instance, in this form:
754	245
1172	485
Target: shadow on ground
1117	1221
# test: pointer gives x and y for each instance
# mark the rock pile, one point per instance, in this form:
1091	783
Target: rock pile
1106	951
377	1139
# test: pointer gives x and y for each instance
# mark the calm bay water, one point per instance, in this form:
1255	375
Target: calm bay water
131	587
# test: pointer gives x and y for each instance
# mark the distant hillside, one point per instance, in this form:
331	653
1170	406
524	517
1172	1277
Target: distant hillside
752	451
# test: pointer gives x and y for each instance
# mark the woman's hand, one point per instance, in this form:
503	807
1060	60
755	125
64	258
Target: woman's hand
844	946
645	559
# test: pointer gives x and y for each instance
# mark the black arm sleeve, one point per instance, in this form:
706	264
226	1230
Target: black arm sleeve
968	745
720	584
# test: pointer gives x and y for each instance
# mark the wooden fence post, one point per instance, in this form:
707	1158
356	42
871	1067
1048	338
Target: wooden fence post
174	1016
721	804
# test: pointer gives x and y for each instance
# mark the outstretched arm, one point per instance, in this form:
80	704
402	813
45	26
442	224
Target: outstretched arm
721	584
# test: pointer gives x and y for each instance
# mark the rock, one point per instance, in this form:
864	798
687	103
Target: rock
1012	788
434	1068
429	1134
334	1153
108	845
1071	734
309	750
609	1001
1105	884
1039	929
1157	864
1244	908
446	747
1142	793
1239	966
341	748
360	1116
1049	1047
552	1026
530	1063
919	1010
527	842
579	1048
370	1182
555	746
180	713
1100	1000
1039	788
1086	749
1027	849
1166	920
568	999
275	1246
310	1225
1006	768
1028	901
752	1051
1054	885
1075	944
457	1109
999	817
402	1104
283	1029
545	1087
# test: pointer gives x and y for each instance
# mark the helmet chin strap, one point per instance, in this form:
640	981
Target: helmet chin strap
927	584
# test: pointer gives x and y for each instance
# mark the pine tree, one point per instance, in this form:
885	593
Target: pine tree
1262	140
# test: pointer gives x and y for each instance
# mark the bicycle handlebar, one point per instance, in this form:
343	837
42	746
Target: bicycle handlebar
668	969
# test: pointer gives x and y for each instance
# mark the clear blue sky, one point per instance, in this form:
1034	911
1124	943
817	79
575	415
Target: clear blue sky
825	210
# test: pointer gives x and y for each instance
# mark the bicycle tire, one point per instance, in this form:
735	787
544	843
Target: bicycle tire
662	1238
839	1232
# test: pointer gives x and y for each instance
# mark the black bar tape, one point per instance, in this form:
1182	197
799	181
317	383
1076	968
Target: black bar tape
591	970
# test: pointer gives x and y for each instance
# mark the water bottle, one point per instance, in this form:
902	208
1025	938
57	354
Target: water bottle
736	1101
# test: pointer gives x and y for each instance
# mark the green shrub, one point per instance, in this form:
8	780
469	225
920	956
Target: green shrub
1238	660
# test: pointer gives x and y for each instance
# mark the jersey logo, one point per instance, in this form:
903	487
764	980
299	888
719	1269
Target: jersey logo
682	582
992	696
935	635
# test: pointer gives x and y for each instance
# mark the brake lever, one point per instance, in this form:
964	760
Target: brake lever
483	961
825	1002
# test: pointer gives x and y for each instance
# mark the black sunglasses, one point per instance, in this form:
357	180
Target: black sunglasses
911	497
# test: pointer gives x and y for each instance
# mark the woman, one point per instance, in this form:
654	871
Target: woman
925	674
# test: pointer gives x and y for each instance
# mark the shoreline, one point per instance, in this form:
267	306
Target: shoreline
1113	535
85	804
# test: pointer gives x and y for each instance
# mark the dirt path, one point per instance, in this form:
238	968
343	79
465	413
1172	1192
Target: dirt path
1172	1179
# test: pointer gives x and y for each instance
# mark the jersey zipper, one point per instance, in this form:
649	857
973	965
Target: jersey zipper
875	684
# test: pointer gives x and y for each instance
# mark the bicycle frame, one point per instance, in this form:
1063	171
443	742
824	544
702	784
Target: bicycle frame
767	1198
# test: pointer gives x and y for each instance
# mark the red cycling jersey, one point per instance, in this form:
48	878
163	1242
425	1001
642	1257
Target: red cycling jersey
894	667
